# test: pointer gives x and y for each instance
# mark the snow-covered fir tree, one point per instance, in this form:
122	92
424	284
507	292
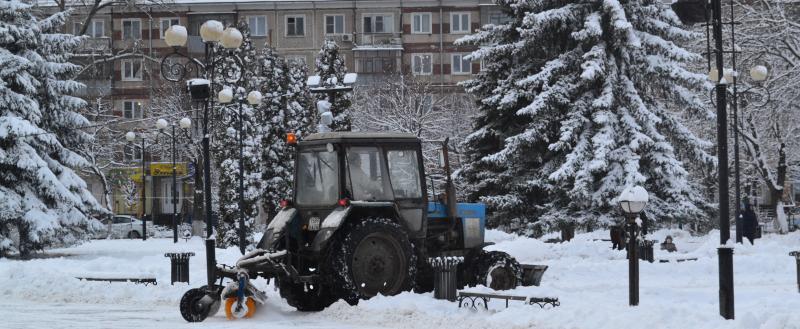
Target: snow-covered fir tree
273	118
44	201
579	99
331	69
298	100
226	149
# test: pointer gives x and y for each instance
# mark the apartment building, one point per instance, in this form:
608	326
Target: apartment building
377	38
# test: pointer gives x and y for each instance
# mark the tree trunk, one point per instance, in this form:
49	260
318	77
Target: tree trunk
780	215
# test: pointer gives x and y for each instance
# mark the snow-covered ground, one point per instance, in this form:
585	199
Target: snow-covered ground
587	276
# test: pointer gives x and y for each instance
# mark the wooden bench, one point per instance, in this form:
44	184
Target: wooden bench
679	260
474	300
144	281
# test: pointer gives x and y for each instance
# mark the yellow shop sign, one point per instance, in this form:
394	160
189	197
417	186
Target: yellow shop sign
165	169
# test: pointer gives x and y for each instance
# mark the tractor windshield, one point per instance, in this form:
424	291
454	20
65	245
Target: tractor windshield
317	178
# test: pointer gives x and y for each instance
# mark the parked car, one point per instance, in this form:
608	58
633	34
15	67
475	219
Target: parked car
123	226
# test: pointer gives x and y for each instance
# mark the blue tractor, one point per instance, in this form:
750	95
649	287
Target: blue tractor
360	223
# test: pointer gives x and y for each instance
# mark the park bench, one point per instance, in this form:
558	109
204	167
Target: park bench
475	299
144	281
678	260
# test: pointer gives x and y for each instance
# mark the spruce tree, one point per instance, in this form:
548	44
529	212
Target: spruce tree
226	148
44	201
331	69
298	100
579	99
274	116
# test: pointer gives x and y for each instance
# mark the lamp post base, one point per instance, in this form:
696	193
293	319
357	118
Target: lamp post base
211	261
726	308
633	265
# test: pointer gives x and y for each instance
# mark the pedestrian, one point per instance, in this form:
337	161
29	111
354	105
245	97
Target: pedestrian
749	223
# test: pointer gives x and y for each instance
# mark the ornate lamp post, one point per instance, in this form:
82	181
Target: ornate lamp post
131	138
185	124
316	86
226	96
175	67
632	201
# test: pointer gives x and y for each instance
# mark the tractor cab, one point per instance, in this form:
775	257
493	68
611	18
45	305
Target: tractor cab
370	174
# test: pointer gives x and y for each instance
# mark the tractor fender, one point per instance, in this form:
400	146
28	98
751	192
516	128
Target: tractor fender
339	216
277	226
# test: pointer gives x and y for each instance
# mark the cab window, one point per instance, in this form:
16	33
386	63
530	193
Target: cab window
404	173
365	175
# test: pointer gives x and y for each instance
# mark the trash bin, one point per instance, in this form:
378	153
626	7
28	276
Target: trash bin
179	266
646	250
444	276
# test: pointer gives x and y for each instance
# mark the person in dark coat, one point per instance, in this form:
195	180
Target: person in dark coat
749	223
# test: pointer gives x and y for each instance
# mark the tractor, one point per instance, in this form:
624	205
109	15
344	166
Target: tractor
360	223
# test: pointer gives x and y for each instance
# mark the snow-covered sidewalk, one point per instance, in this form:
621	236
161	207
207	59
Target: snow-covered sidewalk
587	276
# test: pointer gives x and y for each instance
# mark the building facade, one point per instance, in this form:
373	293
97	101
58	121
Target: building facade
378	38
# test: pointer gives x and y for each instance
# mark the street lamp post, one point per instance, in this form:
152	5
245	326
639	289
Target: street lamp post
185	124
758	74
696	11
632	201
316	86
131	137
172	69
225	96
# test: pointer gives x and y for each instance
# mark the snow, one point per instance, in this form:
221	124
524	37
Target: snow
588	278
313	81
350	78
197	82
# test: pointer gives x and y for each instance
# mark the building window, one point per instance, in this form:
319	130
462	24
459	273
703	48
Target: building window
296	59
96	28
166	23
132	109
421	64
498	17
421	23
131	153
334	24
459	23
131	29
295	26
132	70
378	23
257	25
461	65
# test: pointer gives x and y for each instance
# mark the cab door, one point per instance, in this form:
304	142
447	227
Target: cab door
403	164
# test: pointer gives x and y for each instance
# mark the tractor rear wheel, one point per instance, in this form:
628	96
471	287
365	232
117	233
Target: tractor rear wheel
305	298
496	270
372	256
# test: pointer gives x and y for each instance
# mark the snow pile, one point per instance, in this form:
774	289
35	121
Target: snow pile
586	275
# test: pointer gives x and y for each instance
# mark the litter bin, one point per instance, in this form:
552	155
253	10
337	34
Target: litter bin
646	250
444	276
179	266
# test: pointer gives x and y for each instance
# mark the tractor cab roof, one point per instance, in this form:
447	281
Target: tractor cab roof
360	137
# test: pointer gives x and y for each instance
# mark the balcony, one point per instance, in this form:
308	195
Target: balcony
371	41
100	45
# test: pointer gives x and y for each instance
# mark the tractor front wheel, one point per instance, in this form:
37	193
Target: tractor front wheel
372	256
